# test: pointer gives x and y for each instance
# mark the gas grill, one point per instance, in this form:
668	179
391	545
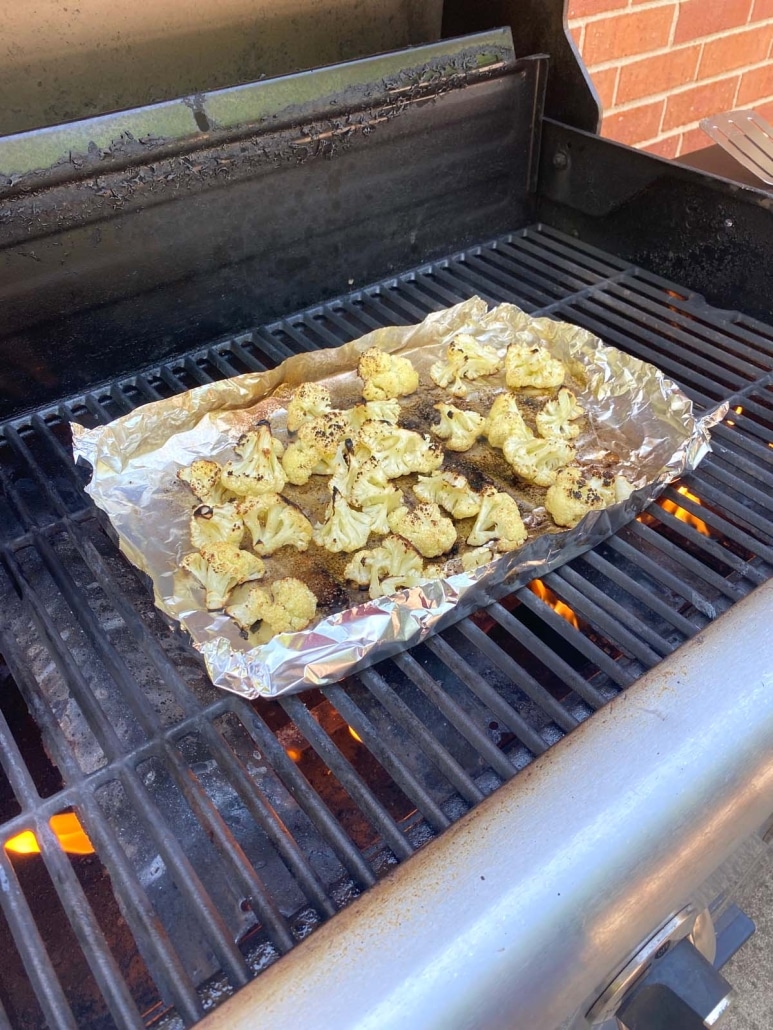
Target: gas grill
583	766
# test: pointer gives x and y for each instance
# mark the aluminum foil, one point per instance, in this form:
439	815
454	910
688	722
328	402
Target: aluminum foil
635	413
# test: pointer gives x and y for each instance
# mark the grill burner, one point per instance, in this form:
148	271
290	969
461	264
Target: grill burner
226	831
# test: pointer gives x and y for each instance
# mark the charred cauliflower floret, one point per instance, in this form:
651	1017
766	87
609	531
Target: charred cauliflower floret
499	522
400	451
309	401
221	567
378	411
273	523
393	565
204	479
504	420
576	491
558	419
528	363
258	469
459	429
537	461
386	375
451	491
299	462
477	557
365	485
466	358
289	606
221	524
430	531
344	528
325	433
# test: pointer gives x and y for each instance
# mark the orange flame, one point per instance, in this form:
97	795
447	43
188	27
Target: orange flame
738	411
685	516
355	734
546	594
70	834
295	753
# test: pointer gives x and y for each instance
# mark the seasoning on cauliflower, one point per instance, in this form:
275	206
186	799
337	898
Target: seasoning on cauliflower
203	477
344	528
273	523
386	375
466	358
458	428
299	462
528	363
474	559
558	418
258	470
288	607
379	411
537	461
309	401
325	433
219	568
505	419
426	527
364	484
400	451
576	491
221	524
393	565
451	491
499	522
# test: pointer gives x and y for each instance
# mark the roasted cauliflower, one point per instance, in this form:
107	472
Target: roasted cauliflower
289	606
430	531
204	479
344	528
365	485
474	559
528	363
309	401
499	522
536	460
459	429
558	418
273	523
386	375
451	491
505	419
378	411
393	565
219	568
466	358
576	491
221	524
299	462
399	451
258	470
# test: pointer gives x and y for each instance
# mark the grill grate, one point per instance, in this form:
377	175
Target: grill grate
225	831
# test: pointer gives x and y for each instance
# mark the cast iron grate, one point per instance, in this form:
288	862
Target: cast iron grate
225	831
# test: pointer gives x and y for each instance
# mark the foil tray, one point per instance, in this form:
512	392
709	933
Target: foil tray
634	412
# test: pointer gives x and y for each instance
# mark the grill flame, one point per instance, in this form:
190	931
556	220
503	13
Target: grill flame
71	836
738	411
546	594
685	516
355	734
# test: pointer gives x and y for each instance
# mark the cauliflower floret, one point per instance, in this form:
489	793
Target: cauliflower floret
498	523
386	375
344	528
537	461
528	363
577	491
274	523
393	565
505	419
474	559
259	470
364	484
430	531
400	451
378	411
458	428
325	433
466	358
299	462
290	606
221	524
557	419
221	567
451	491
203	477
309	401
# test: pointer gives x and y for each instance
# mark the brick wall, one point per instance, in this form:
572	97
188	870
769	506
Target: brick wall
661	65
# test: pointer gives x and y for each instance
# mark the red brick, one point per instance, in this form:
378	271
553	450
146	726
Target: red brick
635	124
626	33
755	85
705	17
604	81
667	147
582	8
735	50
694	139
766	110
699	102
657	74
762	9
